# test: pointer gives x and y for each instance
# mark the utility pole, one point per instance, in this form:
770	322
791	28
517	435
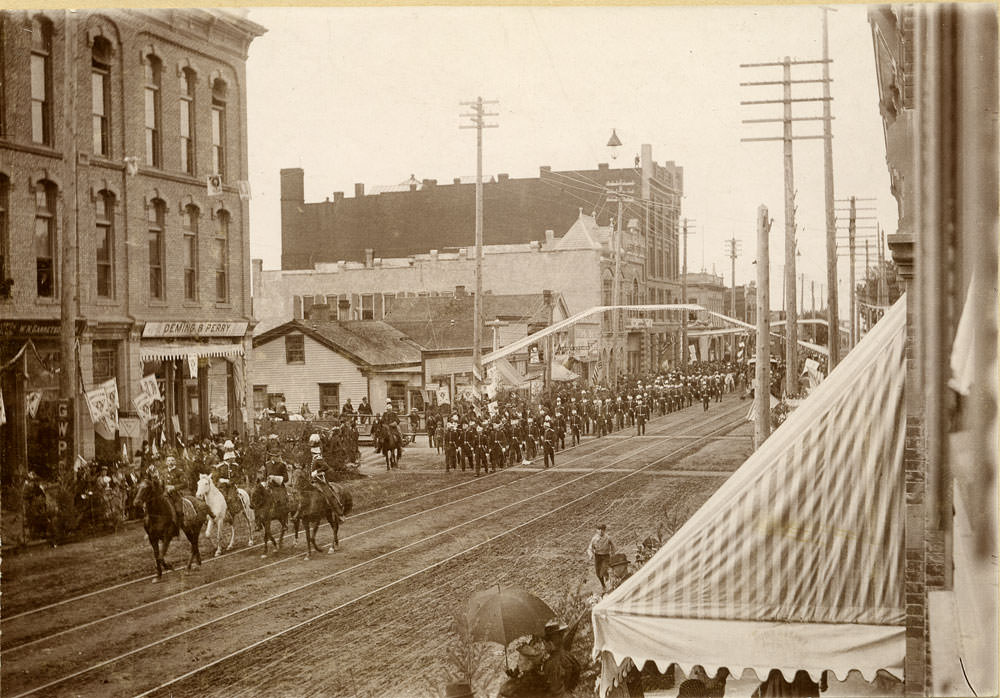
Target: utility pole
684	299
617	193
802	292
852	253
762	423
851	228
478	118
833	319
733	249
67	279
791	318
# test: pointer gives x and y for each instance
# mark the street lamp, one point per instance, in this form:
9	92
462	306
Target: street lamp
614	144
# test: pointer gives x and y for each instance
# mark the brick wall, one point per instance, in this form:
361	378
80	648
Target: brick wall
438	216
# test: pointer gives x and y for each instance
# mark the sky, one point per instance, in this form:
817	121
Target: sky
371	94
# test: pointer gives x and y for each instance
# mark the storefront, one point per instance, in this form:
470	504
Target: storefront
29	390
200	369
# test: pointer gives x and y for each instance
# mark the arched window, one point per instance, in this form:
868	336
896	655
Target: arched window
104	215
219	127
4	234
100	95
154	119
155	215
222	256
189	224
187	122
45	239
41	80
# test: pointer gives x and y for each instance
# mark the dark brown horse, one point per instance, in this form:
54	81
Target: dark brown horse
270	503
160	516
311	507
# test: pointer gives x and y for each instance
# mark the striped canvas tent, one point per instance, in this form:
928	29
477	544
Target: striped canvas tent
796	562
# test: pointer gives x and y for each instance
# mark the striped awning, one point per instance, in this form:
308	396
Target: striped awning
156	351
796	562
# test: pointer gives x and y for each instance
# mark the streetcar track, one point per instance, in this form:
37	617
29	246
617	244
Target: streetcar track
324	525
427	568
202	587
382	556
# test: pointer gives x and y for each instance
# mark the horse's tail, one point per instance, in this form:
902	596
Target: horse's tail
245	501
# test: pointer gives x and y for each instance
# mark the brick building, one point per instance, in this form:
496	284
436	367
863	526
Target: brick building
409	219
937	79
163	282
577	265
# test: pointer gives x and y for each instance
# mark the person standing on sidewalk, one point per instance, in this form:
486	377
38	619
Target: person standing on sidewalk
600	551
641	413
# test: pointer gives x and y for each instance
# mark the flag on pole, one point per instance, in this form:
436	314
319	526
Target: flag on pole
33	399
3	411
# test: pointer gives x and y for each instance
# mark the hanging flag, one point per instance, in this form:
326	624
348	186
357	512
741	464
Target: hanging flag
155	451
443	396
33	399
244	187
149	386
142	403
79	464
3	411
192	360
125	458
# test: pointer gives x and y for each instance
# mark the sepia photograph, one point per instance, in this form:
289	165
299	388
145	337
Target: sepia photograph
527	350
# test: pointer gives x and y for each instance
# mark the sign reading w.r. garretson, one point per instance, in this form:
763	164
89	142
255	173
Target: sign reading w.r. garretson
183	328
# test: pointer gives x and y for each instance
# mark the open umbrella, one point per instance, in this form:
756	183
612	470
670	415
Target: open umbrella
503	615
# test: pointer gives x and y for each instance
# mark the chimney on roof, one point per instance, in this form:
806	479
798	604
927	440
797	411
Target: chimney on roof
503	177
428	183
359	190
543	169
319	312
369	255
338	196
456	180
602	165
550	238
413	183
547	297
460	292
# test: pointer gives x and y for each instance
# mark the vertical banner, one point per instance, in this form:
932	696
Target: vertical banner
64	434
192	360
31	402
443	395
3	411
142	402
150	387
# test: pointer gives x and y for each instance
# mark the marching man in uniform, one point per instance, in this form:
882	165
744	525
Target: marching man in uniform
641	413
549	443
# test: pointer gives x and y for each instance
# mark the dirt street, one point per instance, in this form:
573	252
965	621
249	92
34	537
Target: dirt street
373	618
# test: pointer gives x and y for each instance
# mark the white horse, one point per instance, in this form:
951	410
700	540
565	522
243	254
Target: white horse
222	511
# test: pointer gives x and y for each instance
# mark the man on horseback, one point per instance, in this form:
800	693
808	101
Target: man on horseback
319	482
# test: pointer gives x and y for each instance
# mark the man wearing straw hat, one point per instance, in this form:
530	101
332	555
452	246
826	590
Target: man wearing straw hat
600	551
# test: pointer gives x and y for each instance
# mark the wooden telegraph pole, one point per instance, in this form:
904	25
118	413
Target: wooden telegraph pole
478	117
852	252
791	319
762	423
833	302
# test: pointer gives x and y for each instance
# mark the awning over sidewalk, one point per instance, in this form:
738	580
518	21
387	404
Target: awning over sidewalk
796	562
157	351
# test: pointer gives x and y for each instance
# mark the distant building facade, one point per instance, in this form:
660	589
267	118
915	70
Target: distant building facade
409	219
163	283
579	266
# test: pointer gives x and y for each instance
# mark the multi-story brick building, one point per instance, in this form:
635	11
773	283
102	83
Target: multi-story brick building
162	260
414	217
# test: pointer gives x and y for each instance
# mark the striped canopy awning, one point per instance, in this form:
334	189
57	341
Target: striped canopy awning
156	351
796	562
